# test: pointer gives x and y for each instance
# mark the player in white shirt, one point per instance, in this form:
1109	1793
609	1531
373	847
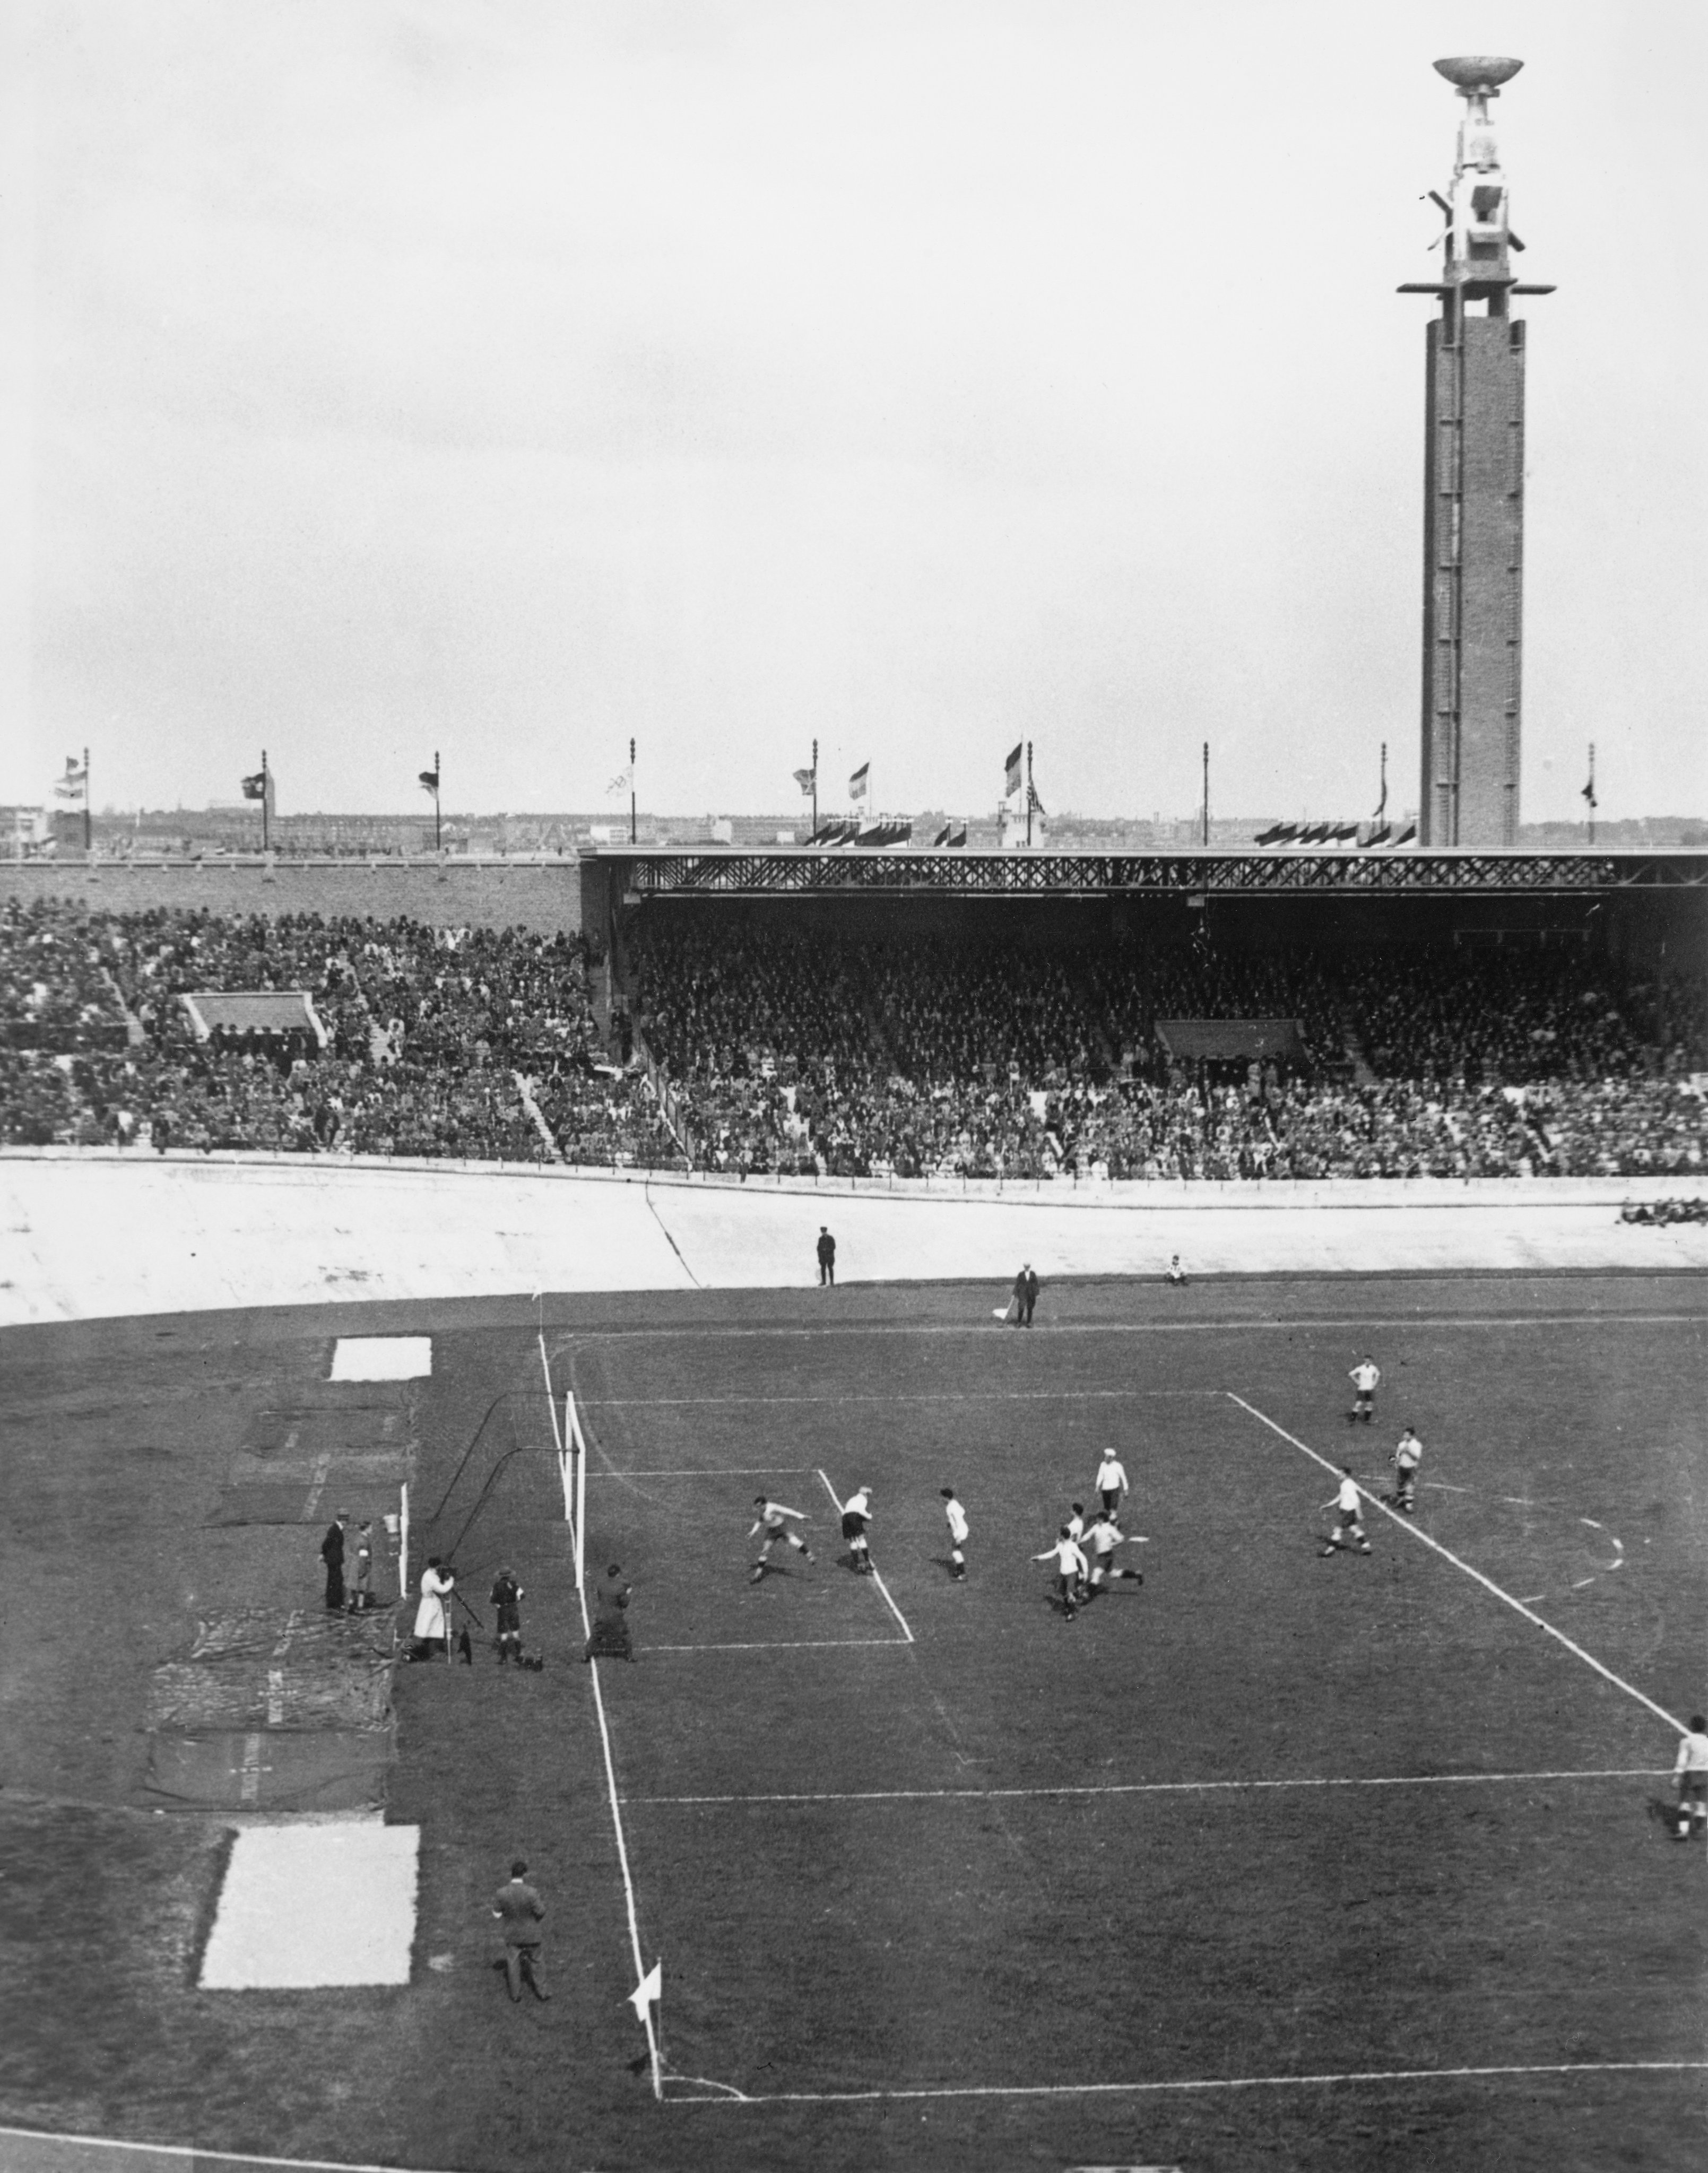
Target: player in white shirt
1690	1771
1348	1502
955	1517
857	1518
1105	1536
1176	1273
1070	1570
1408	1456
1364	1377
769	1521
1112	1480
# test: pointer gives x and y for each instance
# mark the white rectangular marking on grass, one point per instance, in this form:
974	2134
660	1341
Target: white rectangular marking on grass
1488	1584
381	1358
302	1906
877	1580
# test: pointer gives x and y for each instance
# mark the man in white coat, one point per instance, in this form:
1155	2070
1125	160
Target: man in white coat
432	1619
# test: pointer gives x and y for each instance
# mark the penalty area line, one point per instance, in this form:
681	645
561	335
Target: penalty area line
1217	2083
786	1645
836	1502
1488	1584
1151	1787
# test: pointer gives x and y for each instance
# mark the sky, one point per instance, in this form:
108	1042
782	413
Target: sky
387	378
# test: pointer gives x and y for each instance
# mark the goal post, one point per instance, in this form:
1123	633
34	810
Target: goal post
575	1483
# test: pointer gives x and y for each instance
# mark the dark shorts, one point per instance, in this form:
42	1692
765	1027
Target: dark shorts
1693	1783
853	1526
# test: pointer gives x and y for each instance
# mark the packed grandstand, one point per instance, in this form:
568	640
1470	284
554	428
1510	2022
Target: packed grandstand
776	1049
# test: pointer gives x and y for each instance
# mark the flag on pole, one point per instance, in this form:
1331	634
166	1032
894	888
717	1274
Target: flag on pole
74	784
255	788
806	779
428	780
650	1988
1011	782
1588	794
857	784
620	783
1033	801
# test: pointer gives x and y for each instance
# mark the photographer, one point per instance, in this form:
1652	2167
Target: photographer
432	1619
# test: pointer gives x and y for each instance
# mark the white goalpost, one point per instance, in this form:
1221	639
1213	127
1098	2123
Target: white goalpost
575	1467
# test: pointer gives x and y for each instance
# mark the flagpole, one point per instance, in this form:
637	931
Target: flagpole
438	780
87	828
815	787
1382	804
1589	796
1206	795
266	840
632	830
1028	792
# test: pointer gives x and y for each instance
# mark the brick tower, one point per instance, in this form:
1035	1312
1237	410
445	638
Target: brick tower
1473	494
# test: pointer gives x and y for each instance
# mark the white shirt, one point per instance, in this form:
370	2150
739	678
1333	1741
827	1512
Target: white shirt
857	1505
1693	1755
1410	1450
1110	1474
1348	1497
1106	1539
956	1519
1069	1562
1365	1377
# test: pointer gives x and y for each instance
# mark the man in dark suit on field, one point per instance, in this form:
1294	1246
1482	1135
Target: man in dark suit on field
519	1909
332	1555
827	1256
1026	1288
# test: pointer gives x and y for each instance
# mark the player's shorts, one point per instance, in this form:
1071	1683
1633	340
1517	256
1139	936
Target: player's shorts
1694	1782
1067	1583
853	1526
1350	1521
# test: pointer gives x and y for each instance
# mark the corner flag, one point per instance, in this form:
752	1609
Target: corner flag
650	1987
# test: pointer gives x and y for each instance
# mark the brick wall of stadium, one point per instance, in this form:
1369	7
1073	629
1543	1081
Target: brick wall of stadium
544	896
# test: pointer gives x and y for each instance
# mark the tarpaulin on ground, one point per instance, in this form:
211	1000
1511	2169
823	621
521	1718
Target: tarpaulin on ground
269	1770
300	1634
309	1500
309	1434
350	1690
1223	1041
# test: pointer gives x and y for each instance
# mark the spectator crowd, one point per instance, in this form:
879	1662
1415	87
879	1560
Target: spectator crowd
796	1051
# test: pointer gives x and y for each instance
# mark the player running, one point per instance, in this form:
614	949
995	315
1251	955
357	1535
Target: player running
955	1517
1408	1456
1364	1377
1070	1570
1690	1771
1105	1536
1347	1503
769	1521
857	1519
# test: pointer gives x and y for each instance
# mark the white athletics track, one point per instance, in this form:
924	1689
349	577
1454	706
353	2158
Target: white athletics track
95	1235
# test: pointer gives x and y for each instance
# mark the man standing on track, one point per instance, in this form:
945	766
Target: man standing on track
1408	1456
1348	1502
1111	1481
955	1517
1364	1377
1070	1570
769	1521
332	1555
1026	1289
506	1598
827	1257
857	1518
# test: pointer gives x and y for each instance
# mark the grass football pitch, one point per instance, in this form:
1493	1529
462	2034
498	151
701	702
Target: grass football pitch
1271	1860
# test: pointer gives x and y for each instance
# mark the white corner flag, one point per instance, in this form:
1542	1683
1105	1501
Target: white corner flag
650	1987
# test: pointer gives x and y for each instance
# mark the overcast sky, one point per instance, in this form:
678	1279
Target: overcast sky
505	380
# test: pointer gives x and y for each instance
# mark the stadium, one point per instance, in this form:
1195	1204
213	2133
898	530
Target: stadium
963	1494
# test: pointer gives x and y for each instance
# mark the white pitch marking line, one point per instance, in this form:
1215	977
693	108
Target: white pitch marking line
726	1471
1164	1788
182	2152
1221	2082
652	2048
877	1580
789	1645
923	1396
1487	1582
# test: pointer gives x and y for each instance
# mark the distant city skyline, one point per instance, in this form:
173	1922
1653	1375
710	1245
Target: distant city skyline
510	381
